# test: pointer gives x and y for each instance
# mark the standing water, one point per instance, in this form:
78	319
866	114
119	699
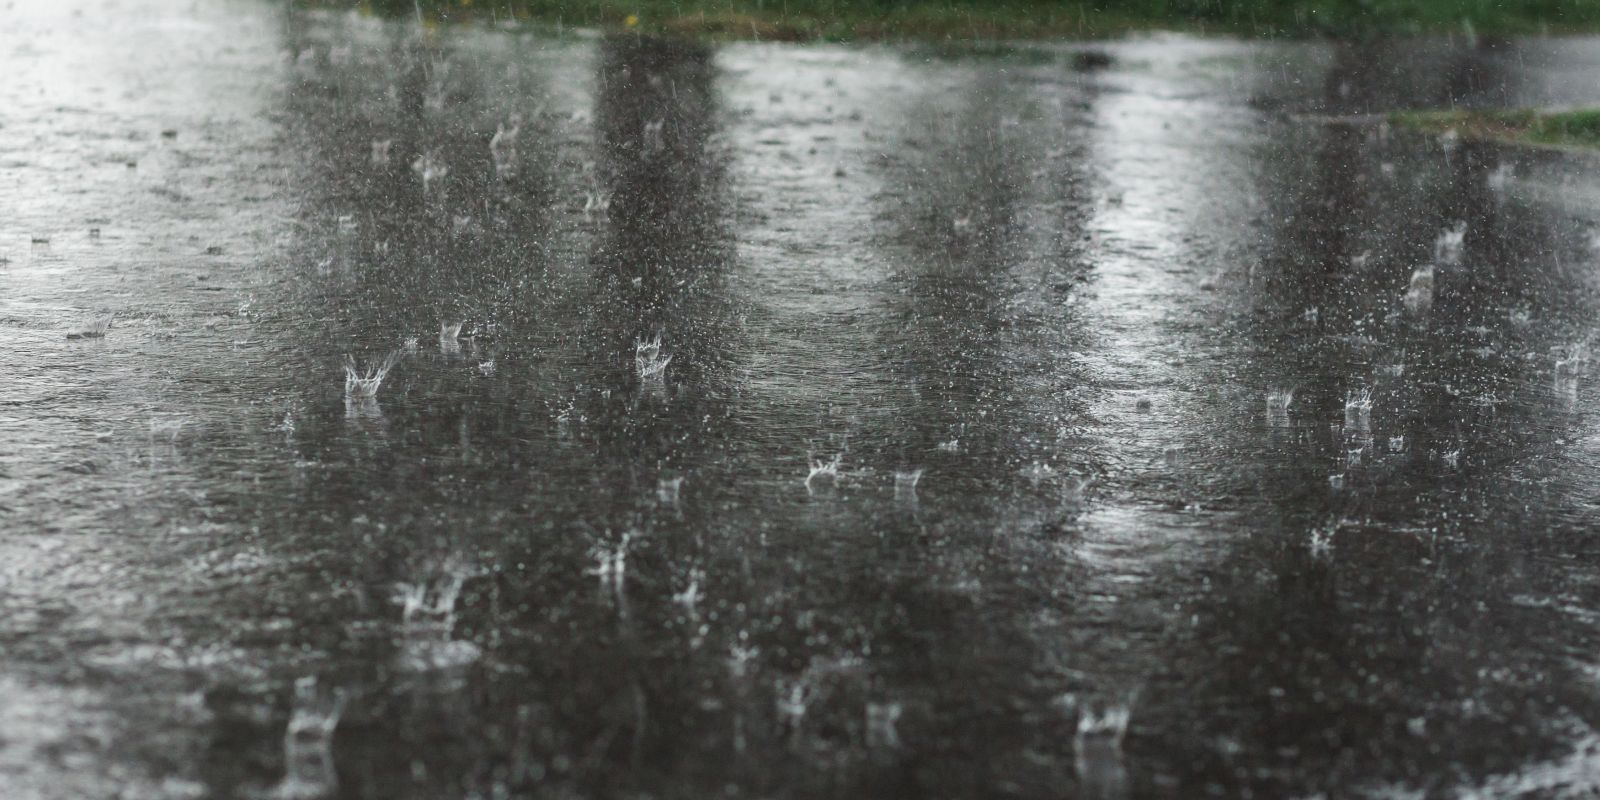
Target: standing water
805	421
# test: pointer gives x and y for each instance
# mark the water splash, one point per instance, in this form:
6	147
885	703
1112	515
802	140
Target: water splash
363	384
428	612
1075	489
1278	402
435	95
93	328
1498	177
566	415
1565	390
596	202
1579	358
1097	748
824	469
1320	542
1568	372
450	338
503	147
792	702
742	656
431	604
1110	720
1038	472
882	722
431	168
647	359
689	598
1447	248
611	563
1358	409
308	742
668	490
1419	295
168	428
905	484
652	140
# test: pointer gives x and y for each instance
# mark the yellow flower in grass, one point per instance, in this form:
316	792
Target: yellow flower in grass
631	20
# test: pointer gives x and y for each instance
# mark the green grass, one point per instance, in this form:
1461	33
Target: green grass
978	19
1552	129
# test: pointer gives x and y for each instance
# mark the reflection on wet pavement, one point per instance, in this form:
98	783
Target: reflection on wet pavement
765	420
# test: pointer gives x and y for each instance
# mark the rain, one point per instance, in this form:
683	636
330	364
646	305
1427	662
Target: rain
1168	414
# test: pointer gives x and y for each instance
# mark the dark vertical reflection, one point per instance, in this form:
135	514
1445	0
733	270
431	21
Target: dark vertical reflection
387	547
970	251
623	704
1385	620
979	332
660	266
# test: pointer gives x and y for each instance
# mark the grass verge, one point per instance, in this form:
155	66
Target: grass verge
838	20
1570	129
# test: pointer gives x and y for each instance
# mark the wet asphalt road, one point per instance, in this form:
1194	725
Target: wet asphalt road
1035	320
